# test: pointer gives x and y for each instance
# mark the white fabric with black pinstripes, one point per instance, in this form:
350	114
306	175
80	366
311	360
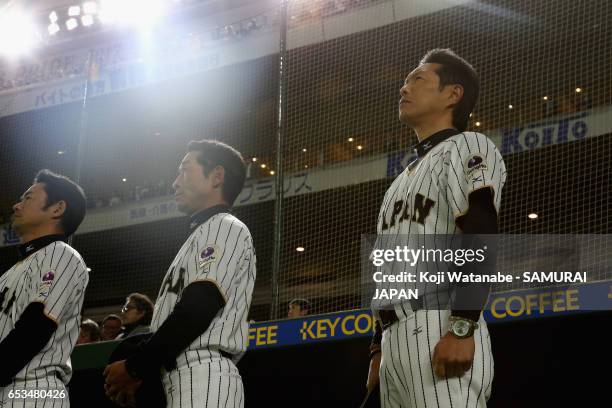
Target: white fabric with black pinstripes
427	198
57	277
219	250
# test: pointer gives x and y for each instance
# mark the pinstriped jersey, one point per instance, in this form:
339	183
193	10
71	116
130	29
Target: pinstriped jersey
57	277
432	192
221	251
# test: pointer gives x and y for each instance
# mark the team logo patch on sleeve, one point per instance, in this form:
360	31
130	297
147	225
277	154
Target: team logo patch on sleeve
209	255
45	284
474	162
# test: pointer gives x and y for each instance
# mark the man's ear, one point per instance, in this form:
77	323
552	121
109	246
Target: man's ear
455	94
218	174
58	209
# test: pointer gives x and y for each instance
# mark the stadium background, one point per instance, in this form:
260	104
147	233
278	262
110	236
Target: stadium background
344	64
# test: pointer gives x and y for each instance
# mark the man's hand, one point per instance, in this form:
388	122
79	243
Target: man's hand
452	356
119	385
373	373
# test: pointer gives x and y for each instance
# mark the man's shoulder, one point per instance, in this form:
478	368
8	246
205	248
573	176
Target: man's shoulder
469	142
60	250
221	224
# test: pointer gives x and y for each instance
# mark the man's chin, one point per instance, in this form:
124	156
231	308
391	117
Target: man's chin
185	209
404	118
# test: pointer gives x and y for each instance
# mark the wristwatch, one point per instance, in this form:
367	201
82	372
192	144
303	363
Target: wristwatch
461	327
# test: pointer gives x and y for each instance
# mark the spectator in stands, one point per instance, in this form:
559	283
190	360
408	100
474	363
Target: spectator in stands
90	332
111	327
136	315
298	308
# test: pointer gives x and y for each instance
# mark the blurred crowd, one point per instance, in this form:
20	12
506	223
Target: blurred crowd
134	193
298	13
135	318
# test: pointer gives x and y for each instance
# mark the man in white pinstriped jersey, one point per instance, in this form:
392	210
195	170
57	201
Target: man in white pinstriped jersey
200	319
41	296
439	357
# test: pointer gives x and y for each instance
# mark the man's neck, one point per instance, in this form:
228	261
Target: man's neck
32	235
209	205
423	132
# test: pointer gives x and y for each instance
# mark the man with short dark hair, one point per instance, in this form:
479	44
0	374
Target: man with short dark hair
90	332
438	356
41	296
298	308
200	319
111	327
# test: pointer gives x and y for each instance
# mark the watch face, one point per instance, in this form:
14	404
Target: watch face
461	328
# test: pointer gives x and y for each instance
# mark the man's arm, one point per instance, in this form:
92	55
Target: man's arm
454	356
200	302
481	218
375	354
32	332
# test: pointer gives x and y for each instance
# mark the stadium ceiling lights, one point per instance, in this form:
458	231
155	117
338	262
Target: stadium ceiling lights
18	34
72	23
139	12
533	216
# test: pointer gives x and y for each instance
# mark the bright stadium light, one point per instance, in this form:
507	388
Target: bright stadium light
533	216
74	11
72	23
53	17
17	33
139	12
53	28
87	20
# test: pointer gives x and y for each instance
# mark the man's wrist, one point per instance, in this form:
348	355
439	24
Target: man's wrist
374	349
461	327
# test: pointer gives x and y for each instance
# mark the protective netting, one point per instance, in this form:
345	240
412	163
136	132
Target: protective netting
546	101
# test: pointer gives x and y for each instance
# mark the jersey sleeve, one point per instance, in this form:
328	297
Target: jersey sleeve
471	161
219	253
58	278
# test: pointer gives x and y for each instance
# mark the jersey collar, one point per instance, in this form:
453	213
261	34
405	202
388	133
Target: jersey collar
202	216
34	245
426	145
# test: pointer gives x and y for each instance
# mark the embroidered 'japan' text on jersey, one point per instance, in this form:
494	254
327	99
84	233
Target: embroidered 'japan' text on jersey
429	197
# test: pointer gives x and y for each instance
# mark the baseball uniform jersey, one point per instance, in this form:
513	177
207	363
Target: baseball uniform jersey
220	250
54	274
427	198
